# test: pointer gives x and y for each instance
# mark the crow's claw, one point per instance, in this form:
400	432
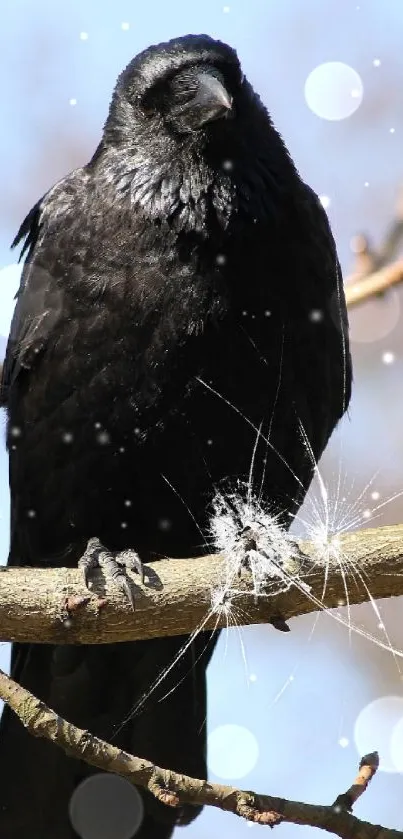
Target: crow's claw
279	623
113	566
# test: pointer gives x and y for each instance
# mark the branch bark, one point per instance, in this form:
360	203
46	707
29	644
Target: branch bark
174	789
53	606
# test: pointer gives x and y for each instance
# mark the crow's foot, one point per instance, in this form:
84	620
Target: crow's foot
113	565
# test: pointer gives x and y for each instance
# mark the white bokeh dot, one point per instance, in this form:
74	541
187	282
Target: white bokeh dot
9	284
376	727
83	36
105	806
125	26
333	90
233	751
388	357
325	201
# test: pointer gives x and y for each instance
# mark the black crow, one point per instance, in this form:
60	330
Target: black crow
181	310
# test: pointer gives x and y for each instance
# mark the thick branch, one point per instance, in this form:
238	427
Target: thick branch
173	789
53	605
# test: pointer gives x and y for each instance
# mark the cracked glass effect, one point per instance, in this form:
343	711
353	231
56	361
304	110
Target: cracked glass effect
301	693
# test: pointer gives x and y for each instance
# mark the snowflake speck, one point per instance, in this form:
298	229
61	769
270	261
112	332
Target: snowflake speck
128	503
15	431
267	313
315	315
227	165
123	524
125	26
343	742
221	259
376	62
83	36
73	101
103	438
388	357
31	514
325	201
375	495
164	524
67	437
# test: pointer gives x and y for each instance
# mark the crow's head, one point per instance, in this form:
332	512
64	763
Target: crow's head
180	87
186	133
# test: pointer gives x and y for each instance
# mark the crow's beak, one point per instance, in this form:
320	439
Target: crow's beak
212	99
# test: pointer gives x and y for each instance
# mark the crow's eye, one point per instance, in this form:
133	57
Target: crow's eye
148	110
153	99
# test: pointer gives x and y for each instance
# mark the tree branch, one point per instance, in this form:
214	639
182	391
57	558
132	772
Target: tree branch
174	789
359	288
53	606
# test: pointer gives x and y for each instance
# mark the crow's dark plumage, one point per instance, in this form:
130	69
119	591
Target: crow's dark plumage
180	291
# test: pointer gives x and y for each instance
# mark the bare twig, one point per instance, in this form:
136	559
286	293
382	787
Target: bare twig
52	605
174	789
367	768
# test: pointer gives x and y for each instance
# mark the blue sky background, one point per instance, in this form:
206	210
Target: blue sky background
298	695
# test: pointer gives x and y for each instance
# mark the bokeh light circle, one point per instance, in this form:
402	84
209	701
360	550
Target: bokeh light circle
396	746
375	319
105	806
232	751
9	284
376	727
333	90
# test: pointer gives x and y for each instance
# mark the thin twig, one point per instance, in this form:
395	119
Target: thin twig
367	768
174	789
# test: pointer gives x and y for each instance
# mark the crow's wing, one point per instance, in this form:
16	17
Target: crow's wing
38	298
